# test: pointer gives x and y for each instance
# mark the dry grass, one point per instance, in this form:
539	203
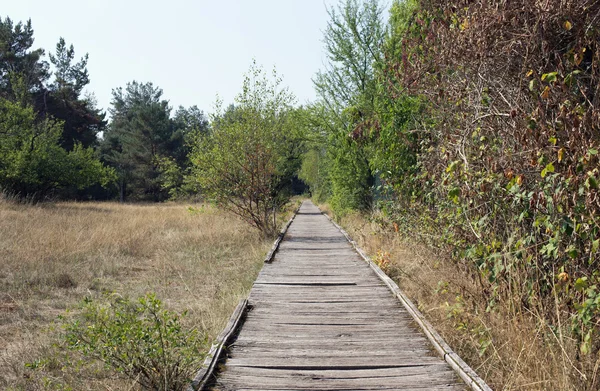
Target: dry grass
510	350
53	255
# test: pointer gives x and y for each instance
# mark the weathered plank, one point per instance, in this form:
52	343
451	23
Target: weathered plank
320	319
328	384
340	374
449	387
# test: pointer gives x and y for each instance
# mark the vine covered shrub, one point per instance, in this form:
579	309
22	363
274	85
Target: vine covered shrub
139	339
507	162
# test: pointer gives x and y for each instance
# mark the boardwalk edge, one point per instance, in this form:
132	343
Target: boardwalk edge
271	254
466	373
206	372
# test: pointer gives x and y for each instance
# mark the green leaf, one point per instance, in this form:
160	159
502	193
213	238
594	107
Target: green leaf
572	252
586	345
581	284
591	182
595	245
548	169
549	77
454	192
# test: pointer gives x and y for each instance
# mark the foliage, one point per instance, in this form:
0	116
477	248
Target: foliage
314	164
60	98
352	42
33	164
382	259
248	160
140	339
17	58
171	177
47	128
82	121
503	156
145	145
347	90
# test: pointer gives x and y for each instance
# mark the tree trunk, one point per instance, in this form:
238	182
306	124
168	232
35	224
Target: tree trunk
122	191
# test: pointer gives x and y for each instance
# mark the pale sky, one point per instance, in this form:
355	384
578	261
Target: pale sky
193	50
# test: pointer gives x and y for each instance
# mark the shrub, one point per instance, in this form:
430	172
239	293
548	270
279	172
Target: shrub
506	163
248	161
139	339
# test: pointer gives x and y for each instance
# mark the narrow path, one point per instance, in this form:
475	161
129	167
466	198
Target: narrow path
322	320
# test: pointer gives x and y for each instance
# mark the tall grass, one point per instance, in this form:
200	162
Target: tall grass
194	258
511	350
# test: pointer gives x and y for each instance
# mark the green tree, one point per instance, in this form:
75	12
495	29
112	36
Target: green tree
59	99
17	58
314	171
353	40
316	166
33	164
63	99
253	149
140	135
190	124
400	127
347	89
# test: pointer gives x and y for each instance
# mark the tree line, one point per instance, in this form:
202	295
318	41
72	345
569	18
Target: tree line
56	143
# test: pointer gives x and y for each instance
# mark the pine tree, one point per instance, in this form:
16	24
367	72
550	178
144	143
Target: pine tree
139	136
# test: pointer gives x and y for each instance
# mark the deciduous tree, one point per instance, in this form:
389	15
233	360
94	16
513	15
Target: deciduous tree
347	90
253	149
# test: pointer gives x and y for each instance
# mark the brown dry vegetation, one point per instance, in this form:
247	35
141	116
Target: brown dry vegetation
510	350
53	255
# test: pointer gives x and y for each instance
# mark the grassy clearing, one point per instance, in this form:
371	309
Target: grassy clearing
510	350
52	255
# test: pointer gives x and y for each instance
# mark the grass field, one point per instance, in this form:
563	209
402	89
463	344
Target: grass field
194	257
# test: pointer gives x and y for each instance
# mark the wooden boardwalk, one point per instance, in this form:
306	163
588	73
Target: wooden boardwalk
322	320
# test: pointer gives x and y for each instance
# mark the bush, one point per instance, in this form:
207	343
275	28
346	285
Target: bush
506	163
33	164
248	162
139	339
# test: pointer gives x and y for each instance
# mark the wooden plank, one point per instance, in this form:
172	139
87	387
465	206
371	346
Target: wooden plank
334	384
332	362
323	307
385	387
332	326
406	343
308	339
320	354
341	374
341	318
316	289
340	300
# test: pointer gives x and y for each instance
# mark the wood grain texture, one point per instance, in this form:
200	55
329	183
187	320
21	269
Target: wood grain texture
321	319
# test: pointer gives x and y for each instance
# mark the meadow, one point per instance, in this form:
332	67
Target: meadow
194	257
